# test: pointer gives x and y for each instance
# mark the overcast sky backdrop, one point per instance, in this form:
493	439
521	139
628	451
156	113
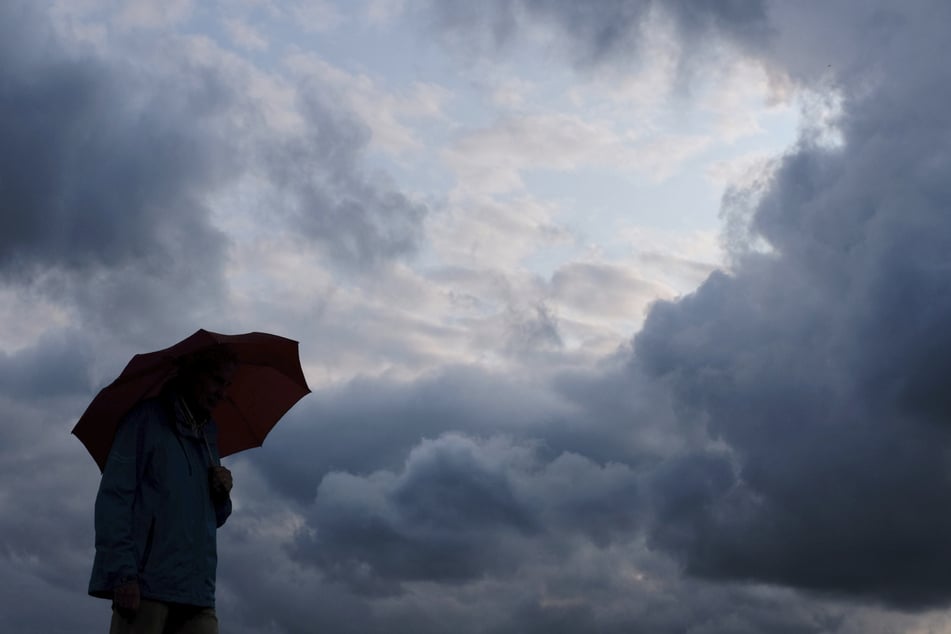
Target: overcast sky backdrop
620	315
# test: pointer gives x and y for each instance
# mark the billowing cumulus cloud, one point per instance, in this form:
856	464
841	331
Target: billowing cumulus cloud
821	365
527	517
459	509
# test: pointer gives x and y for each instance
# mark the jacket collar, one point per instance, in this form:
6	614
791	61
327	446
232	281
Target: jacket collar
186	424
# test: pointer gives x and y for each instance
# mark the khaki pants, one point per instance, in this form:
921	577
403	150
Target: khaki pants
155	617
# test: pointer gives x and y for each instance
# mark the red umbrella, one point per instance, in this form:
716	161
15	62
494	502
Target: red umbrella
267	382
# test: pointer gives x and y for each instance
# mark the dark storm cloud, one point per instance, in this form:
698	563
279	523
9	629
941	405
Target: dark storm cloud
446	518
104	171
459	509
488	534
371	424
108	163
529	469
98	167
823	366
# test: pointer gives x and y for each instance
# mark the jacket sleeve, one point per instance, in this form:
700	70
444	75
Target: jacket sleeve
115	542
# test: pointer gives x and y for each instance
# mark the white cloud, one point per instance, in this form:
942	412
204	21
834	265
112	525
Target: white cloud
388	113
483	232
493	159
603	292
316	15
245	36
738	171
381	12
740	94
150	14
511	93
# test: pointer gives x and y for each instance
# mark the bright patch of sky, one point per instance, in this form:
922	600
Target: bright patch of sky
555	196
603	154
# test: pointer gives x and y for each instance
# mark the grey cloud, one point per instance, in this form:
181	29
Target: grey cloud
578	496
818	367
821	365
527	465
559	545
533	330
445	518
602	289
262	587
562	580
89	176
606	30
809	447
842	40
56	365
673	608
460	508
102	181
371	424
815	48
678	272
359	218
108	165
46	485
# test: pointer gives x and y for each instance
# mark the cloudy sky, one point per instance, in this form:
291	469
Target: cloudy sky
619	315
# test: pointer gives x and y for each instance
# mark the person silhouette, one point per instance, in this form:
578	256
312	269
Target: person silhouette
162	497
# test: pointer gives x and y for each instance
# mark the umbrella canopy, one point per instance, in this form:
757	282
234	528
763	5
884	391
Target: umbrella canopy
267	382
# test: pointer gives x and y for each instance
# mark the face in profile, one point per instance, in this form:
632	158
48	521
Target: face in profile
209	388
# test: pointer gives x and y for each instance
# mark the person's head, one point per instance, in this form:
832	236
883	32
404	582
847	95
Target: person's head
204	377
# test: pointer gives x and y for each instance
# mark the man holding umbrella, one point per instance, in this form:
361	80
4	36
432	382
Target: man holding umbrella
161	499
157	433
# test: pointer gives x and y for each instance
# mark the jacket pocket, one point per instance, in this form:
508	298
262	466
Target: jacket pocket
148	546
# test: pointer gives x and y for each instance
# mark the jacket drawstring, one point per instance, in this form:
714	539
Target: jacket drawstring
211	457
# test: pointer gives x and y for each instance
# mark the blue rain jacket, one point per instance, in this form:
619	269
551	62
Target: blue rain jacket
156	520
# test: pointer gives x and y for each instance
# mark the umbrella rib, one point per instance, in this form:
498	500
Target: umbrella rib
290	377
